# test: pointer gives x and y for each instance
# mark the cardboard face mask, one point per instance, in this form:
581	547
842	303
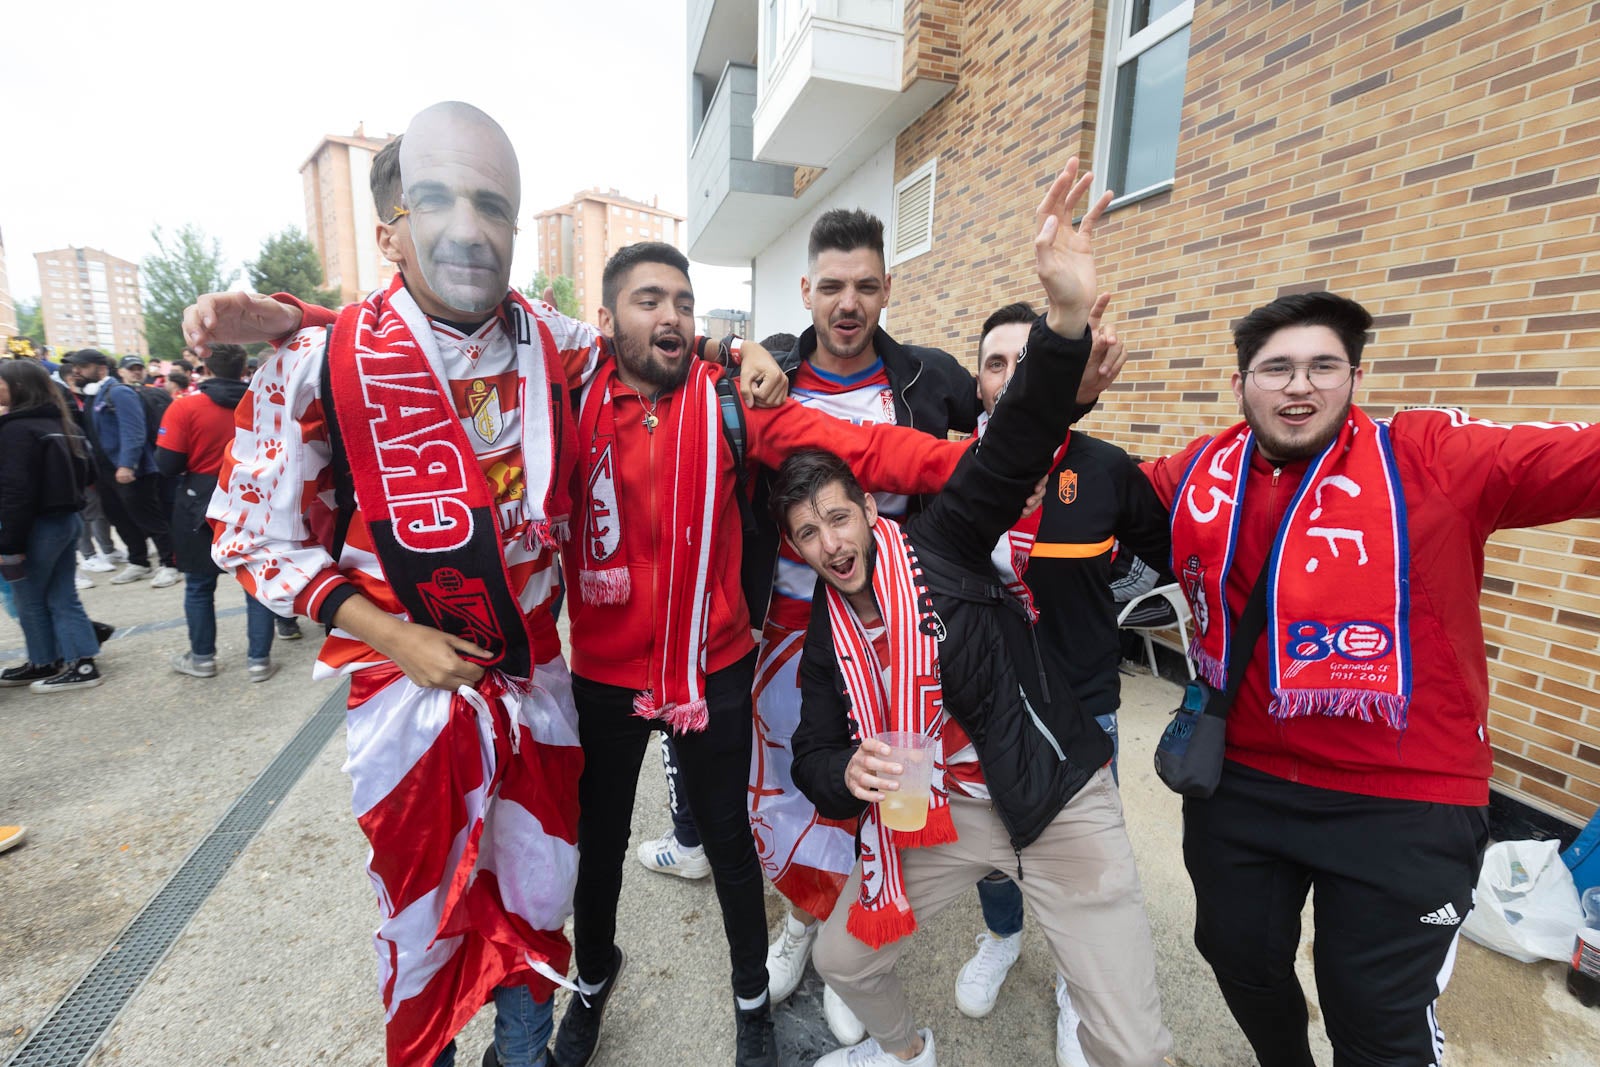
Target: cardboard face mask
460	188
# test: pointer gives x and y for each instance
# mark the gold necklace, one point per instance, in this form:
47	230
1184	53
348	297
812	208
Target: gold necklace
650	420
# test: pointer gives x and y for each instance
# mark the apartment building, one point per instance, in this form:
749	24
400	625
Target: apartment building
341	222
1436	161
576	238
90	299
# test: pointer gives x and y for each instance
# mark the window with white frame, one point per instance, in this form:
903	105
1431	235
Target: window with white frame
911	226
1141	99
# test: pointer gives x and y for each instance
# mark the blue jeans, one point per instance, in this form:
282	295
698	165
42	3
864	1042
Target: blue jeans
54	624
998	895
522	1028
200	610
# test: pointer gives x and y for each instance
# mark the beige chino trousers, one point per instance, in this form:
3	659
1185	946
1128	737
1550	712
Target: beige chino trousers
1082	888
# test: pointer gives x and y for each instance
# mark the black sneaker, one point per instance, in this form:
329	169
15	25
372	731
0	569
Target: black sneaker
491	1058
81	675
756	1042
579	1036
28	673
102	632
288	629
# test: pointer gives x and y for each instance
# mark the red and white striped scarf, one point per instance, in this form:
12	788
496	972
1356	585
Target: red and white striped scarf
1338	599
676	693
913	701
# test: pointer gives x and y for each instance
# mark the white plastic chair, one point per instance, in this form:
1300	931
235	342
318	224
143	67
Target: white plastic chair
1151	629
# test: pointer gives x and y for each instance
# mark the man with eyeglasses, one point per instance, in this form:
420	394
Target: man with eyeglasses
1358	755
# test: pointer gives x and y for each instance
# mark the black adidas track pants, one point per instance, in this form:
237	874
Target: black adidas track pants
1391	882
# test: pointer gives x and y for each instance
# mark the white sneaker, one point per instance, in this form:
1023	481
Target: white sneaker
81	582
260	670
97	565
131	573
787	956
842	1022
868	1054
1069	1053
665	855
192	665
978	984
164	577
118	555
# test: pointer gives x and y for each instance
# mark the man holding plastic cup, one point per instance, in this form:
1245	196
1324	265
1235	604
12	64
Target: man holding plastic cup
912	632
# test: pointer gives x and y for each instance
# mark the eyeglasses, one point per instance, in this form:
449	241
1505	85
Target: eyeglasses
1324	372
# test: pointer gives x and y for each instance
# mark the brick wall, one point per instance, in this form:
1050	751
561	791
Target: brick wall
1436	161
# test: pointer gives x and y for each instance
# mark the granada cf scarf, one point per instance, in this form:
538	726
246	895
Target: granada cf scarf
677	691
1015	547
431	511
1337	600
912	701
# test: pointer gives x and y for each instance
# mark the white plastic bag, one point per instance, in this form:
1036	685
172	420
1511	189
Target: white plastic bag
1526	905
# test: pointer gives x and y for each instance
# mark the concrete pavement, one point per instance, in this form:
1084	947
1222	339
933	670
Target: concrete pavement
118	784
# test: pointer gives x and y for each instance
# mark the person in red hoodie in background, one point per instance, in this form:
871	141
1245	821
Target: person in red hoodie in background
1358	758
660	630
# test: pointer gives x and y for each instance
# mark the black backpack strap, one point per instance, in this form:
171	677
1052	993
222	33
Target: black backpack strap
344	490
1251	622
733	431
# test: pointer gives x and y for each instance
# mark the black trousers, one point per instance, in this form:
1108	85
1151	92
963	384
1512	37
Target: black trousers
1392	880
137	512
715	766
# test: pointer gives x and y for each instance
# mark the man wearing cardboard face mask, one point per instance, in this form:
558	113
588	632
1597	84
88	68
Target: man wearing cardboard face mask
440	404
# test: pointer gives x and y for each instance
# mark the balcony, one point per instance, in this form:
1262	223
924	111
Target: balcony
720	31
736	204
834	81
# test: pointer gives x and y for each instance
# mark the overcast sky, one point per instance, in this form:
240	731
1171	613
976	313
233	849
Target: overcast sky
117	117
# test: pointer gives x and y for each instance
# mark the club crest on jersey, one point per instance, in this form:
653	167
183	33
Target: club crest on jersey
460	605
1067	490
483	405
886	404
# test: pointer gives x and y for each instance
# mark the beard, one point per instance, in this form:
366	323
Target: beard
637	355
1275	444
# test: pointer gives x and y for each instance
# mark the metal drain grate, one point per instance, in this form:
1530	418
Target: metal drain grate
77	1024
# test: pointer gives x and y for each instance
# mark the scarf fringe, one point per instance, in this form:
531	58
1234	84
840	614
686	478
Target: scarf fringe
879	927
689	718
1207	666
608	586
545	533
939	830
1360	704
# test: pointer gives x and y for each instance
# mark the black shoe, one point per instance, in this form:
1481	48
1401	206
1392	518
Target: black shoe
102	632
288	629
579	1036
80	675
28	673
756	1042
490	1058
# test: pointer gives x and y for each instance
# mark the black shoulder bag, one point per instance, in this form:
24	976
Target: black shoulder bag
1189	754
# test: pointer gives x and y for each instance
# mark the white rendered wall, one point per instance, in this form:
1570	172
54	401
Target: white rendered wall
775	302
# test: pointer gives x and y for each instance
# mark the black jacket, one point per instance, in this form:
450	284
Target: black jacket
191	533
1036	743
1095	494
40	472
932	393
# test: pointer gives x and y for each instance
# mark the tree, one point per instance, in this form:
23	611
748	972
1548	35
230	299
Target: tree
566	294
30	323
183	268
288	264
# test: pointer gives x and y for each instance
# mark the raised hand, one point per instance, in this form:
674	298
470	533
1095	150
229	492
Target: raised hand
1064	257
1105	358
236	319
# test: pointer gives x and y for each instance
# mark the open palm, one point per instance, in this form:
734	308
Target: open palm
1064	256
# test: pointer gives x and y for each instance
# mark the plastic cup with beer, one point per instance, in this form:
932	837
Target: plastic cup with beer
906	808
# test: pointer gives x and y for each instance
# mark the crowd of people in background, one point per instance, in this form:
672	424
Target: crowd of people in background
91	444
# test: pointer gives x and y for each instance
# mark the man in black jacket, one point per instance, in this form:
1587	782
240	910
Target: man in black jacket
913	630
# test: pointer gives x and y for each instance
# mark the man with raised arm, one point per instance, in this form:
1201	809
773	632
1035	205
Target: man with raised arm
912	630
